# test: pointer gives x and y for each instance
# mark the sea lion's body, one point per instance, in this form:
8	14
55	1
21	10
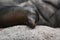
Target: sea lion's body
14	15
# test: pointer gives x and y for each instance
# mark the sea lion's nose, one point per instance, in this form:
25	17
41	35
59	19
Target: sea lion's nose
31	25
31	22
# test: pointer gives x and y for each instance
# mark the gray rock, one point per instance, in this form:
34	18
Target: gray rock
25	33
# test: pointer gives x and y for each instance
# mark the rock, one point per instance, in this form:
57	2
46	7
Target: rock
25	33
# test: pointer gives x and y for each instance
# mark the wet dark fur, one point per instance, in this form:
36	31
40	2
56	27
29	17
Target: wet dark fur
14	15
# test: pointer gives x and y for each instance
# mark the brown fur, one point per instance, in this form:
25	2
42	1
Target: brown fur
16	16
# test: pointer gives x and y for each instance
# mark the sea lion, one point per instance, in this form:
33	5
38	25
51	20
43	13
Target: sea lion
15	15
11	2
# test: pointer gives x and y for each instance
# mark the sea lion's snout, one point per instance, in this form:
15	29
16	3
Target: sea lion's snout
31	22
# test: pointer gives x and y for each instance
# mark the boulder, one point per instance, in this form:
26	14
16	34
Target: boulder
25	33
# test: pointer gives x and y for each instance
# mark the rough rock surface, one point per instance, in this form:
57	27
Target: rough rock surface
25	33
